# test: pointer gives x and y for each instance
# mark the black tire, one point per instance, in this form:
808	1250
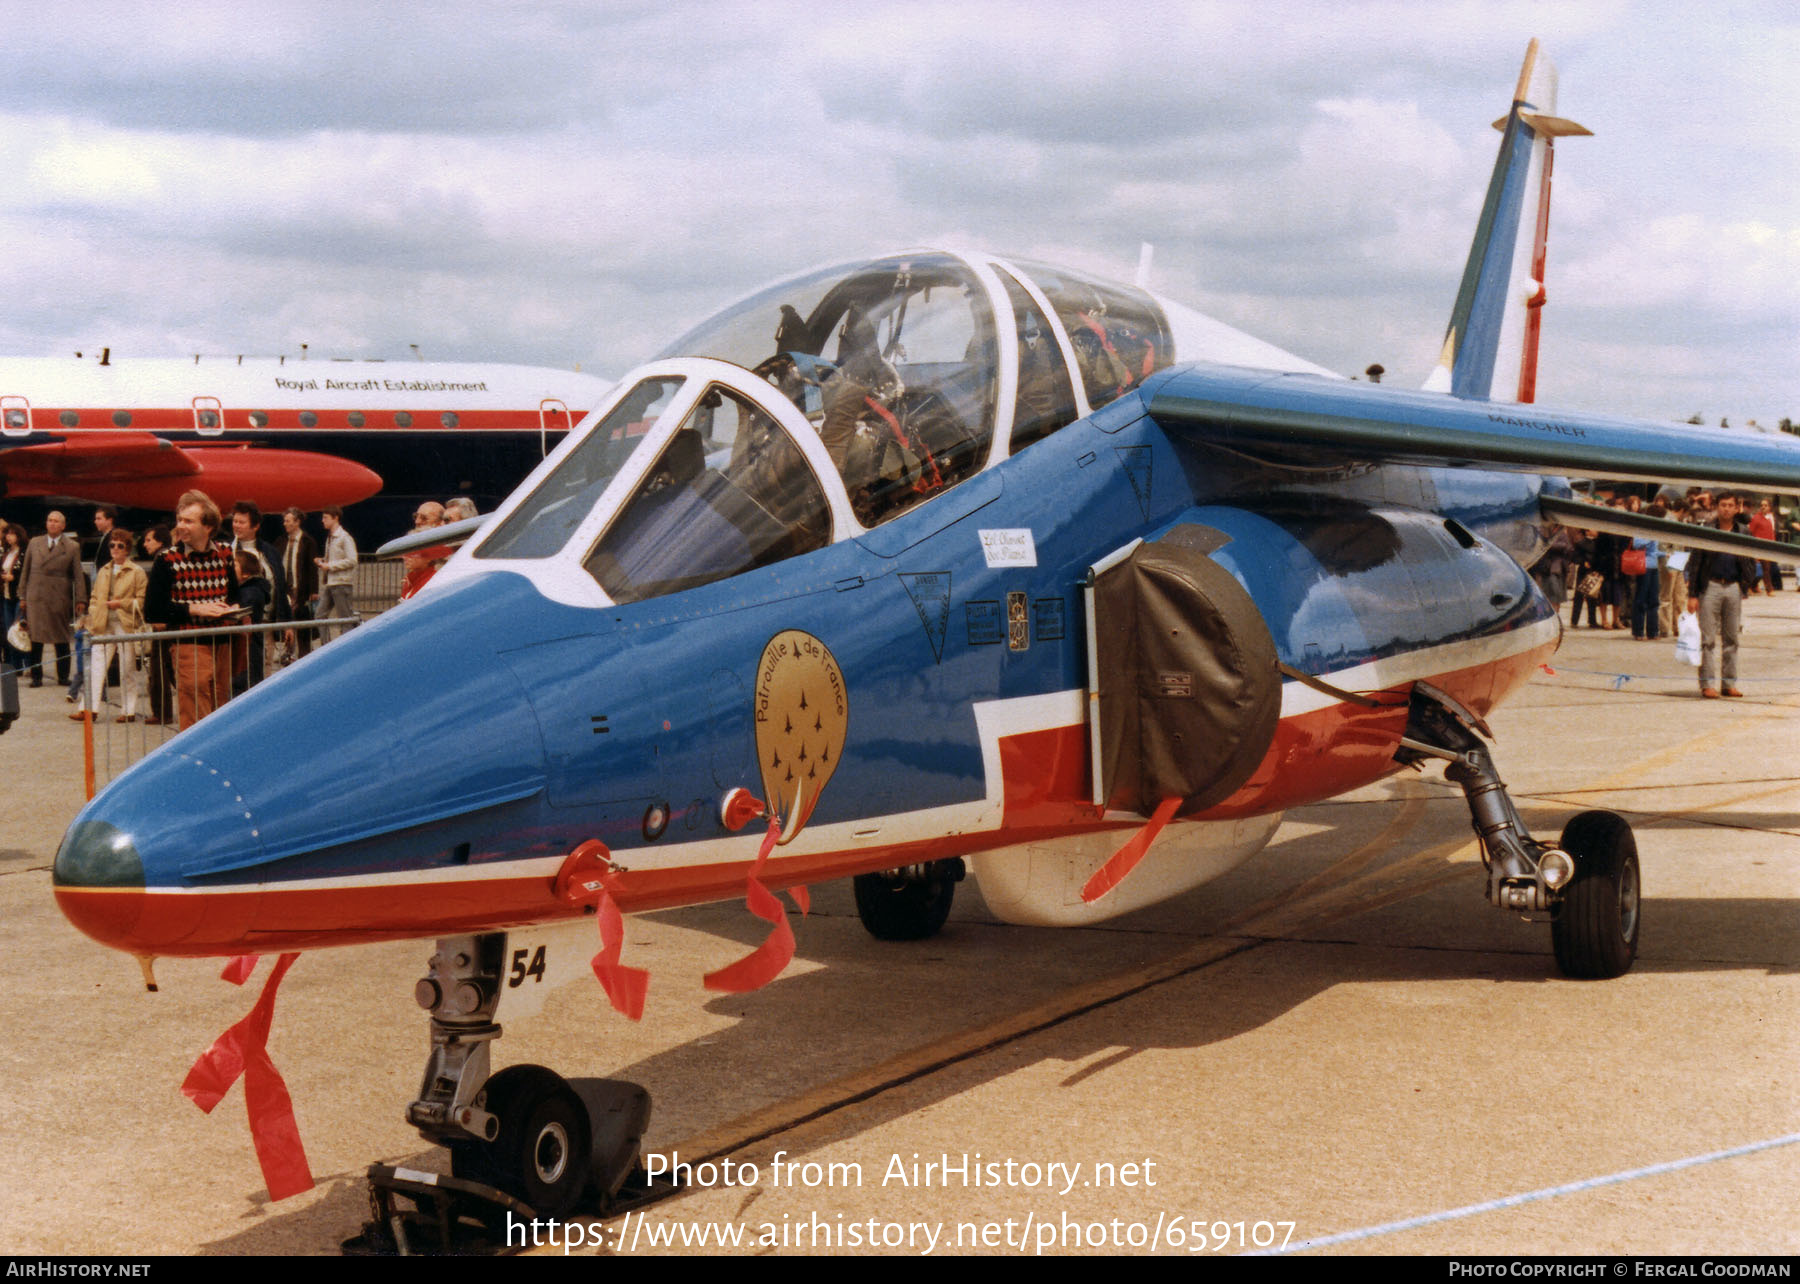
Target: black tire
1595	931
540	1154
896	908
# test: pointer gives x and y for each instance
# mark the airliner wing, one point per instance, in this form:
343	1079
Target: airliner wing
1303	419
60	467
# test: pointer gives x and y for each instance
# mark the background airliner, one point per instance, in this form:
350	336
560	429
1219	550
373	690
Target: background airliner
137	432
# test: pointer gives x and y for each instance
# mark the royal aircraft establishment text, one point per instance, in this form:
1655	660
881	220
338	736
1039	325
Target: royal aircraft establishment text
378	385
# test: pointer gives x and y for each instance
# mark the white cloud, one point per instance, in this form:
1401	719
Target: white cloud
566	183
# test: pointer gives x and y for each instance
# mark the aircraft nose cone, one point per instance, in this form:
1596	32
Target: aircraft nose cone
95	853
99	880
167	820
300	811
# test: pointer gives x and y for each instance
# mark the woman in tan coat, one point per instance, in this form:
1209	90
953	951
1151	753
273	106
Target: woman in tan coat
116	607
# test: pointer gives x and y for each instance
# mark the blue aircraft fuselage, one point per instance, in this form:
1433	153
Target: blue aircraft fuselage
427	773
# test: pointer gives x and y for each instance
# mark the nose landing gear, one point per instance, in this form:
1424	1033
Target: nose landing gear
1588	884
525	1142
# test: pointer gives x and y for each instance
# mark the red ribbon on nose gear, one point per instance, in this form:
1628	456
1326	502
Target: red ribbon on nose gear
1123	861
587	877
238	970
763	964
243	1050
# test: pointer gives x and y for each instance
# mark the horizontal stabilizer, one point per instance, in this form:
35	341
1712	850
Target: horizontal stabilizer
1617	521
1550	126
1303	420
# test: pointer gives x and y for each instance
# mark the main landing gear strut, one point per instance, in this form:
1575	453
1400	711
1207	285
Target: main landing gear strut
525	1142
1587	884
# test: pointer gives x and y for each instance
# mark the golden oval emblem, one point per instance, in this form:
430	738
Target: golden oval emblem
802	715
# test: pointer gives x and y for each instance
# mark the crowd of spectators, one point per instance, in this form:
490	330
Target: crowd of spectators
202	570
1623	581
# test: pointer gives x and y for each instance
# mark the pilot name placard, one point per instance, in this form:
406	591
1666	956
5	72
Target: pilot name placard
1013	547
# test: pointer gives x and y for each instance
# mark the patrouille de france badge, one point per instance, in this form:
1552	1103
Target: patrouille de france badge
802	713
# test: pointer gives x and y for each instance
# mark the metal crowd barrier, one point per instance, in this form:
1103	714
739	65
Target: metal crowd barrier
110	744
166	676
378	585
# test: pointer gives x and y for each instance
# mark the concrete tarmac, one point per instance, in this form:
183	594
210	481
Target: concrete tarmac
1340	1044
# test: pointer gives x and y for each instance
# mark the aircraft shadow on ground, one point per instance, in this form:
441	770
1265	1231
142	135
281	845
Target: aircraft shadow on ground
791	1036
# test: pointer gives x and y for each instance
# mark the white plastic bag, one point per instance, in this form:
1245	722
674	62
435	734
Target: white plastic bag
1687	638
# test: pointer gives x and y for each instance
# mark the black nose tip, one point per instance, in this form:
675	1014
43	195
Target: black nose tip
96	854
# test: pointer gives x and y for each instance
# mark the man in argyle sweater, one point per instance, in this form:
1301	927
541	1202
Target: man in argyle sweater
193	585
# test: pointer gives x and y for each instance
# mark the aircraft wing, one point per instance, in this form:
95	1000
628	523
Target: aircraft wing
59	467
1616	521
1307	420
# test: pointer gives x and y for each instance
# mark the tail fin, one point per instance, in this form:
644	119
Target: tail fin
1490	348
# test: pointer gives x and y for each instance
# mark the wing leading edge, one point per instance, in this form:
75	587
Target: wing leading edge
1304	419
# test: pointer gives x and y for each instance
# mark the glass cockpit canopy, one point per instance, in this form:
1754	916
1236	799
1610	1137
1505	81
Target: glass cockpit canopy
892	361
889	368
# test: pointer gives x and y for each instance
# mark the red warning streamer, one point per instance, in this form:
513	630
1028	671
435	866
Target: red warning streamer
238	970
243	1051
1123	861
625	986
763	964
587	877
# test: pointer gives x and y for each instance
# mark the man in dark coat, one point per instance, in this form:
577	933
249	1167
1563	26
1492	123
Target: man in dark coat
52	591
1718	583
300	576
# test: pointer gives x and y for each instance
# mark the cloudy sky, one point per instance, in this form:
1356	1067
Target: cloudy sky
576	183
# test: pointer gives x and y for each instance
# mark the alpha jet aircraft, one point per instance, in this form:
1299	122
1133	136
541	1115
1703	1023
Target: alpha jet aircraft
913	565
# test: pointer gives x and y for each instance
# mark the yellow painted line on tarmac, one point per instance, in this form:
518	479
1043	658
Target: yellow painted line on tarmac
1665	817
1341	871
1632	772
827	1098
